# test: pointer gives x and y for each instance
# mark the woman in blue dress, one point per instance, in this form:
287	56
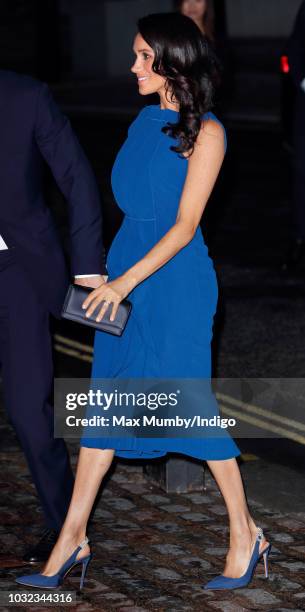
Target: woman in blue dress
162	179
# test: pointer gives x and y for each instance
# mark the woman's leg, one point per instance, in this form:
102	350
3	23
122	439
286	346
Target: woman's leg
243	530
92	466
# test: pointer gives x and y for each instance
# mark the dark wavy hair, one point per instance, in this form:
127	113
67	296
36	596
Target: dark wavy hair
184	57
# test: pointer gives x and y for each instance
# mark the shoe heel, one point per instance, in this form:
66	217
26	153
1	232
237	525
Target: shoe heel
265	557
84	569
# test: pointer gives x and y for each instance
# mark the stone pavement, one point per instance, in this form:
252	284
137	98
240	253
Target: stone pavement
153	551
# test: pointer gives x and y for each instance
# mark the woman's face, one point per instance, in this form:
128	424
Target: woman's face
148	81
195	9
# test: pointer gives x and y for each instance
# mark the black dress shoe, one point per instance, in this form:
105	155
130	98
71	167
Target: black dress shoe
295	260
41	551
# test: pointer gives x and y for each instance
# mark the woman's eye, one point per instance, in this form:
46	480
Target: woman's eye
146	56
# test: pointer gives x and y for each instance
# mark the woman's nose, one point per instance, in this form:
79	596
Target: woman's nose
136	66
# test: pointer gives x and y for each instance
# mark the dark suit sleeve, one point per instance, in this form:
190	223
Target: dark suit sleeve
296	48
64	155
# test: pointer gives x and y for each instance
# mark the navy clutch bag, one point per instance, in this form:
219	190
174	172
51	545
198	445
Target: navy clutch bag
72	310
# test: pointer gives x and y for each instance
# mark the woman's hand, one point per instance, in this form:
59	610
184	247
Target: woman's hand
113	293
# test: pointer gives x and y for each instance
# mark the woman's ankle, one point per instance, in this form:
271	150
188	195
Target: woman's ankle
74	534
244	534
241	531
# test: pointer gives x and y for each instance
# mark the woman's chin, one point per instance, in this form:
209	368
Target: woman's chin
144	92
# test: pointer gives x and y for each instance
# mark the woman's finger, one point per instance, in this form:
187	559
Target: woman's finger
92	295
94	305
114	311
102	311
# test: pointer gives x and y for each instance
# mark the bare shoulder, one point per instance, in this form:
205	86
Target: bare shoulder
210	140
211	127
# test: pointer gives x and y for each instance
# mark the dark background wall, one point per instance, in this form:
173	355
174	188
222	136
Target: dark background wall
81	39
260	18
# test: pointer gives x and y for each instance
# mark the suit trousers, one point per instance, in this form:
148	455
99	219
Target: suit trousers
27	377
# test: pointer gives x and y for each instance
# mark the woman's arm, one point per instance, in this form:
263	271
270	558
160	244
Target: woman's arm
203	168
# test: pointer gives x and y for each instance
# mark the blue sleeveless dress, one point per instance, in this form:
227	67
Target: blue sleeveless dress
162	338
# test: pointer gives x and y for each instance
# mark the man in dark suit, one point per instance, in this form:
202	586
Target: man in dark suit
34	276
296	58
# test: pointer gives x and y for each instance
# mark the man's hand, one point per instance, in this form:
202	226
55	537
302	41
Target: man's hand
91	281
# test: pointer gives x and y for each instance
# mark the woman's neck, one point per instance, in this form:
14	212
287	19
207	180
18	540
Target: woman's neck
167	104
